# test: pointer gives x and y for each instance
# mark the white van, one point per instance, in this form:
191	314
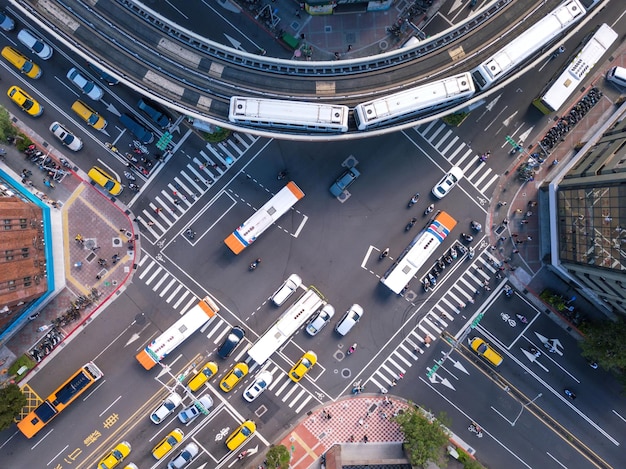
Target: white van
286	289
617	75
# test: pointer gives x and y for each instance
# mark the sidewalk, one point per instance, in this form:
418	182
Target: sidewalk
76	208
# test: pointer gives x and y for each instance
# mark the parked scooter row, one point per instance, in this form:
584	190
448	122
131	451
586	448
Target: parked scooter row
46	344
567	122
430	280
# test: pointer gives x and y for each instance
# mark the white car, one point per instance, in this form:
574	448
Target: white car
34	44
67	138
88	87
320	319
169	405
450	180
193	411
349	319
261	381
286	289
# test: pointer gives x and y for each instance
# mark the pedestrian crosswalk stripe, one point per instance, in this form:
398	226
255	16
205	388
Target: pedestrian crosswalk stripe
430	126
167	287
191	303
157	272
147	269
304	403
180	300
459	148
454	140
401	358
174	293
443	139
281	389
294	387
221	334
437	132
159	283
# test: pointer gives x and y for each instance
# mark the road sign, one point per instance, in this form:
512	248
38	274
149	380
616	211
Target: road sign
164	141
476	320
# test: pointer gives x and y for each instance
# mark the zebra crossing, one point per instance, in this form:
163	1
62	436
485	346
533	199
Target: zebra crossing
441	137
439	318
168	287
196	178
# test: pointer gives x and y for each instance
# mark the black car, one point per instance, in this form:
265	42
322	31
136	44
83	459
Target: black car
155	112
233	339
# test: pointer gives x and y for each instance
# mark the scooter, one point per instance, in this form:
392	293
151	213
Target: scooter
191	234
508	291
383	254
432	279
429	209
453	253
521	318
130	176
414	200
255	264
466	237
411	224
133	187
426	284
484	157
569	394
476	226
475	429
282	175
352	349
470	256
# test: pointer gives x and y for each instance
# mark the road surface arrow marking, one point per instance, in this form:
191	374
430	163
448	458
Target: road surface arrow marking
456	5
507	121
492	103
111	108
235	43
533	358
132	339
523	136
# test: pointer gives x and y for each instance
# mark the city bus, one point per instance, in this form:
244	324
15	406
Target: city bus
56	402
417	252
287	325
527	43
177	333
263	218
571	78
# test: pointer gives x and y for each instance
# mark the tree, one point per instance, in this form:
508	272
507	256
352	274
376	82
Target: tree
12	400
6	126
278	457
425	437
604	343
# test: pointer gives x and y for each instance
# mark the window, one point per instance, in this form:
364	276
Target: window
11	284
27	281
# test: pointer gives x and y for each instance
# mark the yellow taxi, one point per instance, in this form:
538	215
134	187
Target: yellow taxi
21	62
167	444
483	349
116	456
207	372
104	179
234	376
239	436
25	101
303	366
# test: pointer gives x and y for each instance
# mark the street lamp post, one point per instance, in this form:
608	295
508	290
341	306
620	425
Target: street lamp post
522	409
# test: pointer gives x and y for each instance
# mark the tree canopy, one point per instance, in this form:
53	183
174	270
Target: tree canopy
425	437
12	400
604	343
278	457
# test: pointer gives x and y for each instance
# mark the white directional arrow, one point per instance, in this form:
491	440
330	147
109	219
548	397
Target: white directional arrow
111	108
253	450
523	136
436	379
164	369
492	103
507	121
554	346
133	338
235	43
456	5
533	358
458	365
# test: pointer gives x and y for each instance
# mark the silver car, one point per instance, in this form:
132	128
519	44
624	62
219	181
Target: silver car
320	319
34	44
202	405
6	23
86	86
184	457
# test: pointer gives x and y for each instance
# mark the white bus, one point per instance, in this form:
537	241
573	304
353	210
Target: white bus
176	334
263	218
527	43
287	325
571	78
414	101
296	115
417	252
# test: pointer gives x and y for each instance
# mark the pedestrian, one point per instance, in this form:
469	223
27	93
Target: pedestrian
493	247
196	179
361	422
400	375
201	166
150	223
487	288
519	210
501	204
349	47
393	383
462	305
158	210
427	340
514	235
98	277
505	221
470	300
366	439
503	238
302	36
519	241
297	13
123	230
176	202
524	222
529	213
529	238
515	251
95	248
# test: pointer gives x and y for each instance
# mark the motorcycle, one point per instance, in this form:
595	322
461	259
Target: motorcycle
190	233
133	187
462	249
475	429
352	349
282	175
470	256
429	209
414	199
255	264
467	238
508	291
569	394
476	226
411	224
426	284
130	176
448	259
534	351
484	157
357	389
383	254
432	279
453	253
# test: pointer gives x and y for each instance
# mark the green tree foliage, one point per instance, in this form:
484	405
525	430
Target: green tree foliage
278	457
425	437
6	126
604	342
12	400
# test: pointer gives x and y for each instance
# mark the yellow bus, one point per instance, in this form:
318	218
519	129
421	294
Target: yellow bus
56	402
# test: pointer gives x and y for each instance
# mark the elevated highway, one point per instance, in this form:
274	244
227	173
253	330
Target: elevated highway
197	76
